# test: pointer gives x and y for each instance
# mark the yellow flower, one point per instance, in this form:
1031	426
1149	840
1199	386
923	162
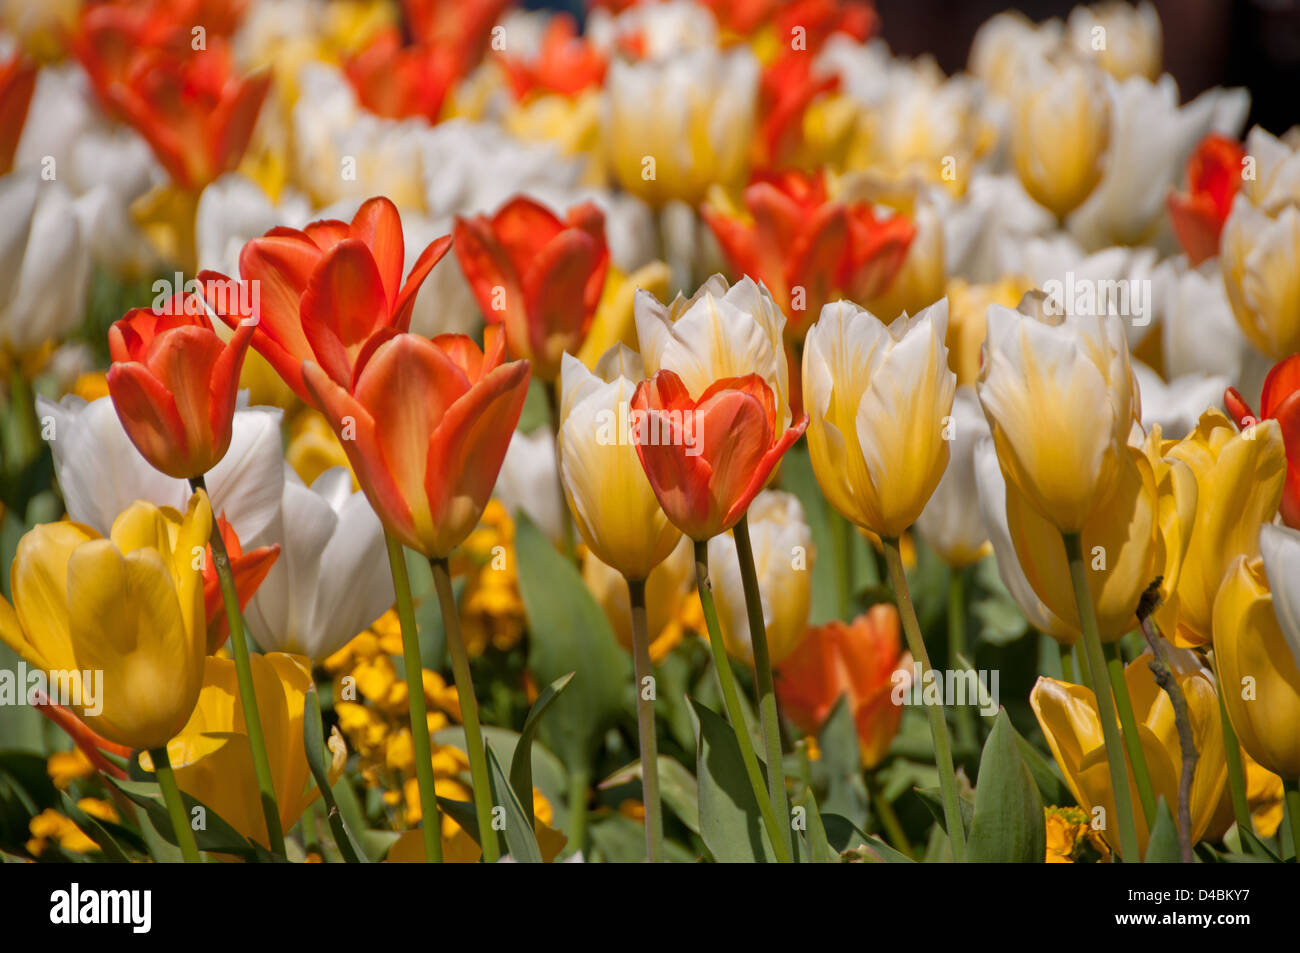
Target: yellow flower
1257	672
50	825
1257	255
1060	130
491	609
1060	399
212	758
967	327
919	282
672	605
128	609
1239	479
615	321
314	448
1070	837
1264	794
64	767
1068	717
572	123
877	397
459	848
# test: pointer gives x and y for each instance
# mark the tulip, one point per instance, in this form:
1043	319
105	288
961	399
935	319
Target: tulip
17	82
1060	131
323	293
332	580
1259	675
1276	182
210	755
173	383
1001	45
1278	547
1278	401
674	127
1132	40
949	523
612	501
400	82
707	459
783	558
1239	479
671	605
1175	407
862	661
1213	179
1068	717
804	123
720	331
426	428
879	396
1256	254
129	606
249	570
537	275
1042	383
528	482
806	248
564	63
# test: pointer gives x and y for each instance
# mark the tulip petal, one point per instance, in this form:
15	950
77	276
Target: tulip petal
378	225
343	304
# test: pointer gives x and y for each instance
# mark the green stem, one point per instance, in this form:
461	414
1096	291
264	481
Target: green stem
566	523
162	769
956	648
1137	758
1236	773
888	819
732	702
1067	663
842	545
1092	653
579	779
1292	789
244	675
938	722
478	767
430	818
645	724
1080	657
769	716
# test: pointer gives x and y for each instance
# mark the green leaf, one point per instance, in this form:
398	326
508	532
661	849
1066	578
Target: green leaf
521	762
818	846
842	834
1162	847
797	477
730	823
217	834
1008	825
314	742
568	632
677	788
91	827
932	797
519	836
841	762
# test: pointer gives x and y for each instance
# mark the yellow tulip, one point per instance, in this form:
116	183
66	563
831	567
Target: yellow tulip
967	325
613	504
1059	395
1257	254
1060	129
1258	673
878	397
1067	715
615	321
211	756
671	603
571	123
1239	478
1139	532
128	609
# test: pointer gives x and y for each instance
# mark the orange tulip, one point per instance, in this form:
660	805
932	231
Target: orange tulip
786	88
17	82
858	660
426	427
707	459
565	63
399	82
322	293
249	569
807	249
539	275
1213	180
1280	401
461	25
174	383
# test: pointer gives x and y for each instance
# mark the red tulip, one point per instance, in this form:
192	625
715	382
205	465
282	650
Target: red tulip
1280	401
17	82
785	91
1213	179
807	248
425	427
249	569
707	459
821	19
398	82
539	275
857	661
565	63
461	25
174	383
322	293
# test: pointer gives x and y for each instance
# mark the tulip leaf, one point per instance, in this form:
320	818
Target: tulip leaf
818	847
96	831
841	759
933	799
521	762
677	788
730	823
314	742
1008	824
216	834
1162	846
520	839
842	835
568	632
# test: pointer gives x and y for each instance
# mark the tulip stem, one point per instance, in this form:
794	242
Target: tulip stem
162	769
769	716
1292	796
1236	774
1128	728
732	702
938	722
645	724
1096	662
244	675
957	648
842	543
430	819
566	522
885	814
478	767
1067	663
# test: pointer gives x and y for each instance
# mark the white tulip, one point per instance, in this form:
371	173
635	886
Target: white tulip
1280	547
1125	40
1178	405
949	523
528	480
233	210
1276	168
